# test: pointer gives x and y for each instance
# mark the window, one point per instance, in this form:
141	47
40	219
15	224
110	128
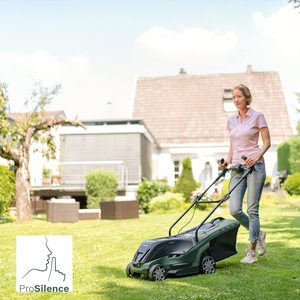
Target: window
227	101
176	169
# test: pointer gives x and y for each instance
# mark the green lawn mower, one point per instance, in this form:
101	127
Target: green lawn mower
191	252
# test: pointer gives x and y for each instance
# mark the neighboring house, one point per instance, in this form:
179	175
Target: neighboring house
124	146
187	115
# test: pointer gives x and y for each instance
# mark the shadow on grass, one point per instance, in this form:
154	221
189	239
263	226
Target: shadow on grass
118	286
5	219
289	225
275	276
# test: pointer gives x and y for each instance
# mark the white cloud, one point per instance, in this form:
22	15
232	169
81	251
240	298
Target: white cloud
85	91
187	41
282	29
279	47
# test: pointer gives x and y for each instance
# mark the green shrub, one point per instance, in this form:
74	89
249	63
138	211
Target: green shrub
225	187
7	189
200	205
292	184
288	155
268	181
148	190
100	185
186	183
168	202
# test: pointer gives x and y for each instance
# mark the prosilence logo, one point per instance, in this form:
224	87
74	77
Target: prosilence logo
44	263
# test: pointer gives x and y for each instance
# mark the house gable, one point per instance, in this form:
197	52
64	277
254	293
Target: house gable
189	109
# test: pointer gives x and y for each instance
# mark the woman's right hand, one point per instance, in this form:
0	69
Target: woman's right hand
223	165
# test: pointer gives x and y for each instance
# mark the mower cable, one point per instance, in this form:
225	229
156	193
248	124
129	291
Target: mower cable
188	221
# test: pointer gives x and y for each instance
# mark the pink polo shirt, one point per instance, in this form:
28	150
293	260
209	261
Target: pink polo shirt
244	134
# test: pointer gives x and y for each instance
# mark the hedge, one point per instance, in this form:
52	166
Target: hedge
7	189
100	185
292	184
288	155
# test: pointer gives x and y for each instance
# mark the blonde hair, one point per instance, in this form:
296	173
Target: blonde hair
246	92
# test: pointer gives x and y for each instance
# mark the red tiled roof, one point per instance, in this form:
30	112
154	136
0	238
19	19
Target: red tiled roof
188	109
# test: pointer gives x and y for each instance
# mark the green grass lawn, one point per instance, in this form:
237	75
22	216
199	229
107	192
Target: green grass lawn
102	249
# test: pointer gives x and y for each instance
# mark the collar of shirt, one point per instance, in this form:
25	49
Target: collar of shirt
248	114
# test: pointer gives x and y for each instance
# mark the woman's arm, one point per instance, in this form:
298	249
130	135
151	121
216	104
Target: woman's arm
265	134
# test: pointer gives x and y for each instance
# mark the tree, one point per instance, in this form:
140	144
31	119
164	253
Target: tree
186	183
296	3
16	137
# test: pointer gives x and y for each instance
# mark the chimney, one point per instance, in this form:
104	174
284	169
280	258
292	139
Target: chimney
249	69
108	110
182	71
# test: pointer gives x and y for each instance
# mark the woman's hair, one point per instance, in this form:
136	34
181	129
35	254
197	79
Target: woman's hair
246	92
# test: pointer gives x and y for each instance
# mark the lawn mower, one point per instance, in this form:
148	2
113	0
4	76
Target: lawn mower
191	252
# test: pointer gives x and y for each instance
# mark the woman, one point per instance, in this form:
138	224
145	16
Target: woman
244	128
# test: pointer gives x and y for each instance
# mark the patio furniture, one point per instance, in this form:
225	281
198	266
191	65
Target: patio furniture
115	210
89	214
63	210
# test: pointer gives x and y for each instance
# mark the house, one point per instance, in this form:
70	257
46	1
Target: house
124	146
187	115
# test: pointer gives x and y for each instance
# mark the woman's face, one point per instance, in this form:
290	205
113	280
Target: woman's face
239	99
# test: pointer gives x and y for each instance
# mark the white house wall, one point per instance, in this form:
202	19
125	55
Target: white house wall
38	162
163	161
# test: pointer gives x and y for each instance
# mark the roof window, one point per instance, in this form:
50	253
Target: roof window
227	101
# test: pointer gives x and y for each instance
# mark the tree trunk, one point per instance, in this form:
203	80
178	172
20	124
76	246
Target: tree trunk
24	208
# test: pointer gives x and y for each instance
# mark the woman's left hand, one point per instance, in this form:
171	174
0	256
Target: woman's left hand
251	162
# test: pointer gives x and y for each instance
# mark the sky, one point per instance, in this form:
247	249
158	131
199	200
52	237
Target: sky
97	49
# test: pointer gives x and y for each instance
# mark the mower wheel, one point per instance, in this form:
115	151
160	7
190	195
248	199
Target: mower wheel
207	265
157	273
131	274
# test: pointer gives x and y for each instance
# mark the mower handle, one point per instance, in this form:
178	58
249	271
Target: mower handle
197	198
225	198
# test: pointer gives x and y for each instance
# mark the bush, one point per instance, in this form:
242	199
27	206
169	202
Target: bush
288	155
186	183
268	181
168	202
100	185
200	205
148	190
292	184
7	190
225	187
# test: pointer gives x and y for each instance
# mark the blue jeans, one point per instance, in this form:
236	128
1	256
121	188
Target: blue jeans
254	182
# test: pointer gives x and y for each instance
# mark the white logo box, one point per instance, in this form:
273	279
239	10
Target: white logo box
44	263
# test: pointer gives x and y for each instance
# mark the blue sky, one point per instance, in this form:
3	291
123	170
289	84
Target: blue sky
97	49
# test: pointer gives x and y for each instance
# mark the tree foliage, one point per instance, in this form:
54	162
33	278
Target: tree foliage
296	3
186	183
7	189
288	155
